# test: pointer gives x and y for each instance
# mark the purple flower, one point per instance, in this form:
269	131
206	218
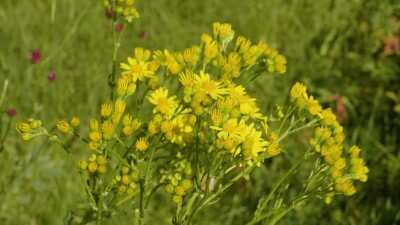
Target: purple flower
143	34
35	56
52	76
119	27
11	112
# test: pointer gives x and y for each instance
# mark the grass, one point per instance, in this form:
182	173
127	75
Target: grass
326	48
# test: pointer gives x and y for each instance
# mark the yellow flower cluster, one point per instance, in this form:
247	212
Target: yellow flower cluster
123	8
30	129
178	187
126	181
213	96
96	163
328	141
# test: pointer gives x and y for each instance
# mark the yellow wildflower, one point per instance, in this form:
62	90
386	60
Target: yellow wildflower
142	144
75	121
164	104
213	88
108	129
63	126
138	70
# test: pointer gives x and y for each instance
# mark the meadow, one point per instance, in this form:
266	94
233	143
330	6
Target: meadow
347	53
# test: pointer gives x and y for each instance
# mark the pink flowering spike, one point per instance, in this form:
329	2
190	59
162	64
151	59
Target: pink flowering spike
119	27
52	76
35	56
143	34
11	112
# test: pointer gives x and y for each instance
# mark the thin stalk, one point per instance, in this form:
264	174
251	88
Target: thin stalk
99	218
3	93
284	120
265	202
88	191
289	131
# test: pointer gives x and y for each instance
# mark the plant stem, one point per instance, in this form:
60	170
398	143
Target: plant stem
265	201
290	131
91	197
100	202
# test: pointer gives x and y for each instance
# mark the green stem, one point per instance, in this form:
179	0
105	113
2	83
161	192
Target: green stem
284	120
99	218
265	201
289	131
116	45
88	191
189	205
122	160
208	199
3	93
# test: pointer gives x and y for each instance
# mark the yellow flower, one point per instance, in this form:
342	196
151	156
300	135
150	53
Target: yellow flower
345	185
93	124
93	145
211	50
119	106
205	84
164	104
142	54
187	80
108	129
138	70
101	159
102	169
223	32
142	144
328	117
190	55
180	130
63	126
122	85
179	190
82	165
95	136
230	129
242	44
253	144
92	167
169	188
314	107
75	121
23	127
298	91
106	110
216	117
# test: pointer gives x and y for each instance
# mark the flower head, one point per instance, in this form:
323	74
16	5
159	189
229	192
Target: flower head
35	56
164	104
11	112
138	70
142	144
52	76
205	84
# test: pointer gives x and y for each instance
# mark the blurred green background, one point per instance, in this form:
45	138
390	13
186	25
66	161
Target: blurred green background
347	52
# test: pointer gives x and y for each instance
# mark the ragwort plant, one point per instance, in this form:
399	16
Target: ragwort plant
183	122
